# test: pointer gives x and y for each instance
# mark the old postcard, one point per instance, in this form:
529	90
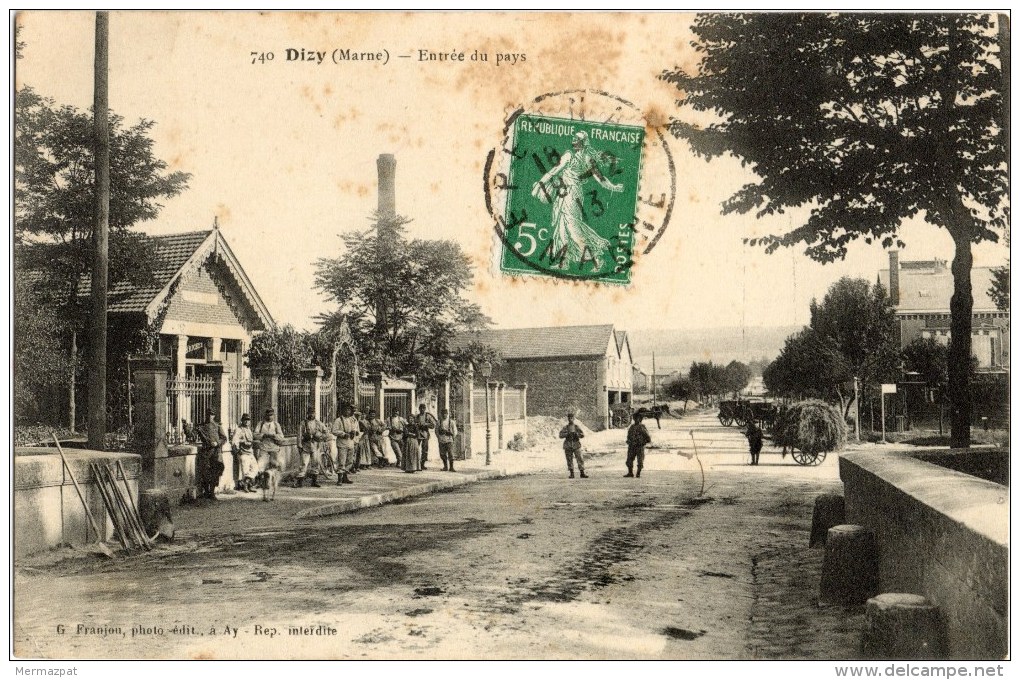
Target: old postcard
511	336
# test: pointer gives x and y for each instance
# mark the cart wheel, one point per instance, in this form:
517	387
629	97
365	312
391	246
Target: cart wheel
725	420
802	458
327	466
819	457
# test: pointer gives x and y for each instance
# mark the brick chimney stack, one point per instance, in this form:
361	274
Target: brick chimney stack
894	277
387	164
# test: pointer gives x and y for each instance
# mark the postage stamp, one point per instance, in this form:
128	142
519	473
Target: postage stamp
572	198
570	191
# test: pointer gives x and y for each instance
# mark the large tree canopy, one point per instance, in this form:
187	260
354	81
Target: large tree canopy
852	335
54	175
402	299
866	120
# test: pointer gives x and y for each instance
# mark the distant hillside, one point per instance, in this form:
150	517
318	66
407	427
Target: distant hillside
676	349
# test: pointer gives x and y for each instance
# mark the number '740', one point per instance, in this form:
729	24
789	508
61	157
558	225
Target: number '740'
528	232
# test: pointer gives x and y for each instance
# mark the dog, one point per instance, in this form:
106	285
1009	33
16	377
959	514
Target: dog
269	479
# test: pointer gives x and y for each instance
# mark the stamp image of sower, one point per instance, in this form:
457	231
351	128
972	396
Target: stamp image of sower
566	191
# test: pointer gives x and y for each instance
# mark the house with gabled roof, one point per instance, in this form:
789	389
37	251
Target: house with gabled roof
584	369
200	306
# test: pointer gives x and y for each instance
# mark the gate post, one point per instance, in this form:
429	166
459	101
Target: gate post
500	412
270	375
467	410
313	376
150	375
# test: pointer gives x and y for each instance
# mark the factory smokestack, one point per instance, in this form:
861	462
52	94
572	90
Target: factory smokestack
387	163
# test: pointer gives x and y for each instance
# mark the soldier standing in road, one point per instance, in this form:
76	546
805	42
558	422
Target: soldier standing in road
211	438
311	434
446	430
571	435
637	438
347	432
425	422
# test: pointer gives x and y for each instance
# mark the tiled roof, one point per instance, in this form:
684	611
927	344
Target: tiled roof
542	343
929	290
172	252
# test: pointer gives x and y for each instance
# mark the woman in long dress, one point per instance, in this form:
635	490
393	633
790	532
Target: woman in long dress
412	449
363	449
570	231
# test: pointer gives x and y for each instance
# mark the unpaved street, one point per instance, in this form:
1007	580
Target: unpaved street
536	566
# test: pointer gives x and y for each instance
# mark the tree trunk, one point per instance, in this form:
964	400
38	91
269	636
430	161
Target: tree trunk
961	308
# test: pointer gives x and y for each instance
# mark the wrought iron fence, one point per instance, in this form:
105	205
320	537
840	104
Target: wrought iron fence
246	395
327	400
367	398
397	402
187	401
295	399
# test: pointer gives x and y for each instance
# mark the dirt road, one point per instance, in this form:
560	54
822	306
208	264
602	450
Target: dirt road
530	567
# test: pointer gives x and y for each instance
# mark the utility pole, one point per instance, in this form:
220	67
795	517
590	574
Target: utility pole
101	229
654	385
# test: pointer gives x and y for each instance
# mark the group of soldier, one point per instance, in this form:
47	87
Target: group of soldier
359	440
637	439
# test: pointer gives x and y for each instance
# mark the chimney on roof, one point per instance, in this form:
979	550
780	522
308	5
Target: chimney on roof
387	164
894	277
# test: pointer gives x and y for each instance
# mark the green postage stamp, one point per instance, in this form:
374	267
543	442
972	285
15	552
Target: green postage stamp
571	198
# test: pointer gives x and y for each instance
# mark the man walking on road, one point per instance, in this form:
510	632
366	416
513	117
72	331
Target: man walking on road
571	435
637	438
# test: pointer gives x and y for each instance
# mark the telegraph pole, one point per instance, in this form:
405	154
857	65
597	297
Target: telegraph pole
101	232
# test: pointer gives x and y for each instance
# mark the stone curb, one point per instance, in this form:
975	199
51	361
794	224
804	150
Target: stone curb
354	504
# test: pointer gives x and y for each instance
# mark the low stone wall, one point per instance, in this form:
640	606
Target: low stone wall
941	534
47	510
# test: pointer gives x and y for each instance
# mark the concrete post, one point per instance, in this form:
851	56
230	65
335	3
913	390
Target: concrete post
850	566
523	387
313	376
150	375
467	411
903	626
180	404
500	412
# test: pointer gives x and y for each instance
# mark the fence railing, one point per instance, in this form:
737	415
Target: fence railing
327	400
397	402
246	395
367	398
187	401
295	397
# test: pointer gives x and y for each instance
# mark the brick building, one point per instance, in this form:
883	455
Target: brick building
585	369
920	292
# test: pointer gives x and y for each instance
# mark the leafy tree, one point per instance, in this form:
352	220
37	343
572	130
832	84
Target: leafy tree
1000	285
736	376
54	182
706	379
54	174
868	120
852	334
679	388
402	299
284	347
41	363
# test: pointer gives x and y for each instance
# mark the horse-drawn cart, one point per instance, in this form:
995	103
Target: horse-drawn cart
744	413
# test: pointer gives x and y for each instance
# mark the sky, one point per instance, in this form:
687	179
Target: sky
283	152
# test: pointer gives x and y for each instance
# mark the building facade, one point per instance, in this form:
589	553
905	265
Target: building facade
583	369
921	291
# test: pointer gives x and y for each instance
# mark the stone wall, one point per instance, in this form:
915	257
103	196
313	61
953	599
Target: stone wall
941	534
47	509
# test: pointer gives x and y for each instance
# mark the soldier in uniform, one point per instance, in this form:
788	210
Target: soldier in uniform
376	428
446	430
571	435
311	435
754	441
211	438
347	431
242	446
637	438
425	422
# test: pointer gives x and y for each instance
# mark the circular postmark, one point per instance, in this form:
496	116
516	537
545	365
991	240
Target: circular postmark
580	187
